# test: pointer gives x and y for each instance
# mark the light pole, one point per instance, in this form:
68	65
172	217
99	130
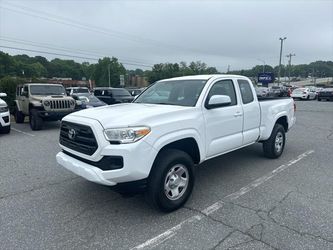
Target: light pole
263	66
279	72
289	64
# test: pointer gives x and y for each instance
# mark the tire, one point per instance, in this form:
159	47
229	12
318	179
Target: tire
36	122
319	99
308	97
19	116
5	130
170	167
273	147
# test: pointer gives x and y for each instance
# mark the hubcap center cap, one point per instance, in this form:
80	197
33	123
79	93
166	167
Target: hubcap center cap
174	181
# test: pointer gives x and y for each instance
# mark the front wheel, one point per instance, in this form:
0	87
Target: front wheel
5	130
171	180
36	122
19	116
273	147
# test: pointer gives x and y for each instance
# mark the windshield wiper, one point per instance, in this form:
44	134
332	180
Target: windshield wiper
166	103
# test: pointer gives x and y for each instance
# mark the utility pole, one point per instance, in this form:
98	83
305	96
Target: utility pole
263	66
279	72
109	75
289	65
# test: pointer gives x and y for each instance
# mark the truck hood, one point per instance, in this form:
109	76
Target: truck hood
127	114
49	97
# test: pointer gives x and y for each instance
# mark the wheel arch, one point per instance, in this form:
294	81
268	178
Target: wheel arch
187	141
283	120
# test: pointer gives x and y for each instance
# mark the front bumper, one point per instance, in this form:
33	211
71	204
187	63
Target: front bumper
137	157
300	96
4	119
54	115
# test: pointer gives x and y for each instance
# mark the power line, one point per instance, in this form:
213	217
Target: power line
68	55
64	49
84	26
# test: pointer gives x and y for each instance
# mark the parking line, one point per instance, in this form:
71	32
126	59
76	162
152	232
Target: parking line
155	241
22	132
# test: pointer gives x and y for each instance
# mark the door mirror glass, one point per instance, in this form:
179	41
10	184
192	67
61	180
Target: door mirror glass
218	101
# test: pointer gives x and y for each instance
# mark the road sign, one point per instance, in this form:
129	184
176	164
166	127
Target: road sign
266	78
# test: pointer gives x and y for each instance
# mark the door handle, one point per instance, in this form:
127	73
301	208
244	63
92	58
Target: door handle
238	114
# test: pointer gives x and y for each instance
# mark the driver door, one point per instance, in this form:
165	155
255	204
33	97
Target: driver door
224	125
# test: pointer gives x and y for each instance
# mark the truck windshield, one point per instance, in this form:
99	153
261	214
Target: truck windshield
181	92
47	90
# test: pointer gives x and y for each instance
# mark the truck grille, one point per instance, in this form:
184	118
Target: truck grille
78	137
60	104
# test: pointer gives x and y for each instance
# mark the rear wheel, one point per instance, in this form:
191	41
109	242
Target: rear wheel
36	122
319	99
19	116
273	147
171	180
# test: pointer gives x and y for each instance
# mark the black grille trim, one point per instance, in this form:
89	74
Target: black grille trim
5	119
84	141
106	163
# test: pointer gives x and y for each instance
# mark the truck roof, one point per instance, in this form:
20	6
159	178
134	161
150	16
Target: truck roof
203	77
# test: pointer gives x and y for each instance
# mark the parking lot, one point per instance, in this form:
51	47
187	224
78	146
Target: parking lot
241	200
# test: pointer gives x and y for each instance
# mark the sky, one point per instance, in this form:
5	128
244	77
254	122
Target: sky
140	33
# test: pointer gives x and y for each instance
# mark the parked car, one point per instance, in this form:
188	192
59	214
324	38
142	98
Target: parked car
325	94
303	93
262	91
77	90
279	91
113	95
42	102
88	101
4	115
155	142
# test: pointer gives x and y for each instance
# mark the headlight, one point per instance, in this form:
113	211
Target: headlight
72	102
36	103
78	103
126	135
47	103
4	109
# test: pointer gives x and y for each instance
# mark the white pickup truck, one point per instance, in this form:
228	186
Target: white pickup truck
156	141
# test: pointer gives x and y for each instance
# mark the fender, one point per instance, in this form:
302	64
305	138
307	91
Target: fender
18	105
178	135
265	132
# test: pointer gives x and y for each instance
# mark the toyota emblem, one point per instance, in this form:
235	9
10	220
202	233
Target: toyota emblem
71	134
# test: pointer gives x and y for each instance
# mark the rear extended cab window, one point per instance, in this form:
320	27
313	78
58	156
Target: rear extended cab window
246	91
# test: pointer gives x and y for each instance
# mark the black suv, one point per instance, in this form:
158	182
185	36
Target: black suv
113	95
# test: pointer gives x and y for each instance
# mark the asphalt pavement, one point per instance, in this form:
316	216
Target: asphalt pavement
241	200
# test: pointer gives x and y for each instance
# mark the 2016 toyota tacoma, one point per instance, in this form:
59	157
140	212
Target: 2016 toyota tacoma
175	124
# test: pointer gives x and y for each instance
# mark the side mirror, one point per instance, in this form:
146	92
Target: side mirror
3	94
217	101
25	94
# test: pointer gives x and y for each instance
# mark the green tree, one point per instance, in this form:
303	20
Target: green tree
8	85
101	73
